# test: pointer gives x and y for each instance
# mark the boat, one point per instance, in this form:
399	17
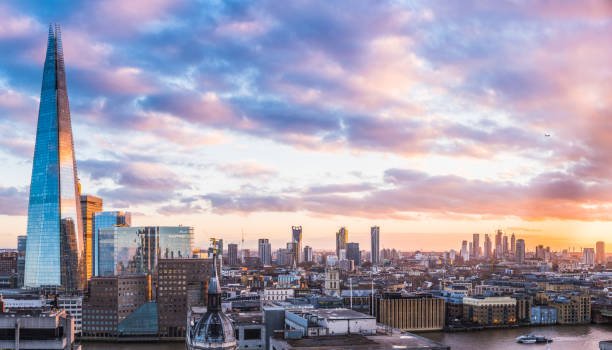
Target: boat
532	339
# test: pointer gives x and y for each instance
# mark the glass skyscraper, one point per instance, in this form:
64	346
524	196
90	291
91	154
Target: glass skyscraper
54	254
129	250
102	220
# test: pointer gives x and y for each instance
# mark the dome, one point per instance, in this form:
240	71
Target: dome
214	330
214	327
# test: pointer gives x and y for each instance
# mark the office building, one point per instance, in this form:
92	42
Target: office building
55	255
465	254
505	246
42	328
513	244
375	244
498	245
542	315
332	282
232	254
476	245
308	254
353	253
8	263
488	254
520	251
21	250
292	248
296	237
89	206
600	253
588	256
73	305
265	251
180	284
106	219
335	329
110	301
490	311
129	250
341	240
410	311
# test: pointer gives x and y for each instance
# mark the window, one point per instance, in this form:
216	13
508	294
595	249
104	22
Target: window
252	334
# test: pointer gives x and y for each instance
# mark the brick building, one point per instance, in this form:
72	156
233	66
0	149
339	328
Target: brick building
180	283
109	301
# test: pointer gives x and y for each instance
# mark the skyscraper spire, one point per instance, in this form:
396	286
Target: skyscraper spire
54	253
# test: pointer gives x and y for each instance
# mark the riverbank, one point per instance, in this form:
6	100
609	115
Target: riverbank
585	337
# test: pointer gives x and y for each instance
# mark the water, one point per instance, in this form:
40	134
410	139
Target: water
583	337
133	346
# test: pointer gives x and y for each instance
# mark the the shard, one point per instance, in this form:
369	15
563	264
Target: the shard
54	253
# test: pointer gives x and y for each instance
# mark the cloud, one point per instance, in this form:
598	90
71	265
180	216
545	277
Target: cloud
246	169
13	201
406	194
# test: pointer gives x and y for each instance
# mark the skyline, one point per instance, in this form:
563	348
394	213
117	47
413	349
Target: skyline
262	118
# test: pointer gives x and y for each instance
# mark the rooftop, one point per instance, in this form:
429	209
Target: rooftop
338	314
360	342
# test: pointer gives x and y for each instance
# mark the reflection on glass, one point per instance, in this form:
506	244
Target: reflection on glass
129	250
54	249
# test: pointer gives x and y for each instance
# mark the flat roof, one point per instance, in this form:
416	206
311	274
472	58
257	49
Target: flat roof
361	342
339	314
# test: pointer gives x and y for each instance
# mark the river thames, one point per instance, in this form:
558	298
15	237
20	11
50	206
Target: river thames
584	337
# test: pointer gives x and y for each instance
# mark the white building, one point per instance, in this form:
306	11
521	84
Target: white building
74	307
332	282
277	294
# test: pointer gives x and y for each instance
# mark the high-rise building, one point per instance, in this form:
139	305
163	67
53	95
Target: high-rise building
110	301
89	206
181	283
55	255
106	219
130	250
341	240
600	253
520	251
292	248
296	237
265	251
308	254
375	244
498	245
513	244
353	253
505	247
487	247
588	256
232	254
21	250
476	245
465	254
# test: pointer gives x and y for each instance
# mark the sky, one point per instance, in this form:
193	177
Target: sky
431	119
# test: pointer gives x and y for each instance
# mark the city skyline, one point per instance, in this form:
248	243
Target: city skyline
432	136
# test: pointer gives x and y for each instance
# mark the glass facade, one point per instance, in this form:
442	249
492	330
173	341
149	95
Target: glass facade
102	220
89	206
130	250
54	253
